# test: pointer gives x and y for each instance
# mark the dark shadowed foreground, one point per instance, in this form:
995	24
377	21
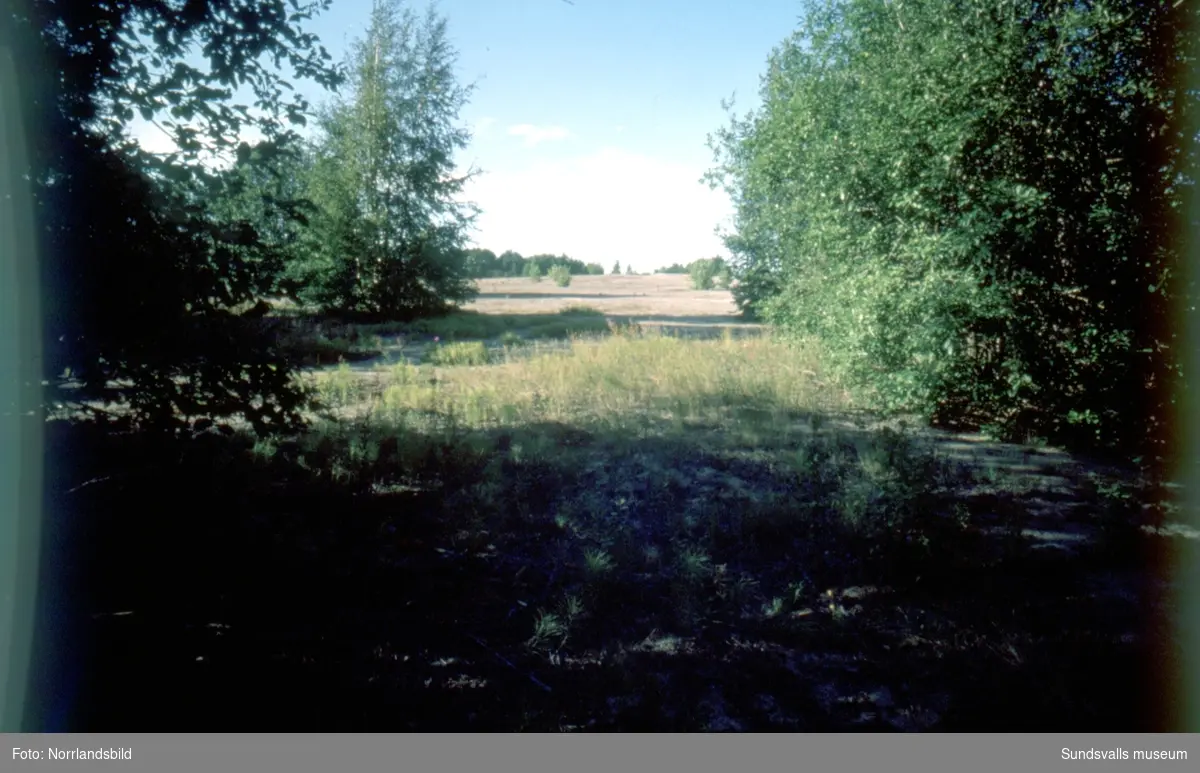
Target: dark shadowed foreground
711	564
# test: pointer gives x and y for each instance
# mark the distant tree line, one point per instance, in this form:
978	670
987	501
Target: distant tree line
705	273
484	264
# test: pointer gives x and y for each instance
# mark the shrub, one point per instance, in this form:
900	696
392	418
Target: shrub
533	271
464	353
560	274
703	272
579	310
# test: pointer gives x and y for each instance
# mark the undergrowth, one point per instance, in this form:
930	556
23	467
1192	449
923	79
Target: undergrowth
599	535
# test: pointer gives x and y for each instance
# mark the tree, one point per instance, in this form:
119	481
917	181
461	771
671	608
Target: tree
264	189
704	271
480	264
561	275
595	269
533	271
511	263
724	278
142	279
546	262
389	239
616	268
628	270
974	206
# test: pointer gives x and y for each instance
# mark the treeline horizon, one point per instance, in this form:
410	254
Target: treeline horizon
482	263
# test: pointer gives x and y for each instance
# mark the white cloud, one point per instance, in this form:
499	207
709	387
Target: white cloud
606	206
535	135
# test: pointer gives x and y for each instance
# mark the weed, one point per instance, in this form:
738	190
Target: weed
573	608
774	608
464	353
339	387
547	627
695	564
264	449
598	563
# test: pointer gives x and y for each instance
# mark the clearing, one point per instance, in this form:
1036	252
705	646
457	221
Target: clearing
612	506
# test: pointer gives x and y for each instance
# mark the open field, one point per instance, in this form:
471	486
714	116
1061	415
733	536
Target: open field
661	295
609	528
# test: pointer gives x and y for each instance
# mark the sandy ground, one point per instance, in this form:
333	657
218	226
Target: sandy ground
661	295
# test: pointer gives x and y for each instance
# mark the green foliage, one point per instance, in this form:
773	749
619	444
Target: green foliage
560	274
482	264
704	272
974	206
533	271
511	263
595	269
546	262
724	278
463	324
616	269
389	237
144	275
674	268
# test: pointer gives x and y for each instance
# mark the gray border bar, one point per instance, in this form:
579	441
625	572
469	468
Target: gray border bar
462	753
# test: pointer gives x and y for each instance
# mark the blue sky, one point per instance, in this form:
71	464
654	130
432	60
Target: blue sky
590	119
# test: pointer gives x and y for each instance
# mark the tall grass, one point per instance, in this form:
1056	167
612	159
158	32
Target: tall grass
618	380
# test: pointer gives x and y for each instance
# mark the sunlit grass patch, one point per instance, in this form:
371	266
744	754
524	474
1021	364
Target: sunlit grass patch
752	382
338	387
463	353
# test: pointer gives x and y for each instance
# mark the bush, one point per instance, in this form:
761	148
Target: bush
560	274
579	310
595	269
533	271
980	260
704	271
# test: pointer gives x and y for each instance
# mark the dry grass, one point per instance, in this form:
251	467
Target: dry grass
613	381
661	295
